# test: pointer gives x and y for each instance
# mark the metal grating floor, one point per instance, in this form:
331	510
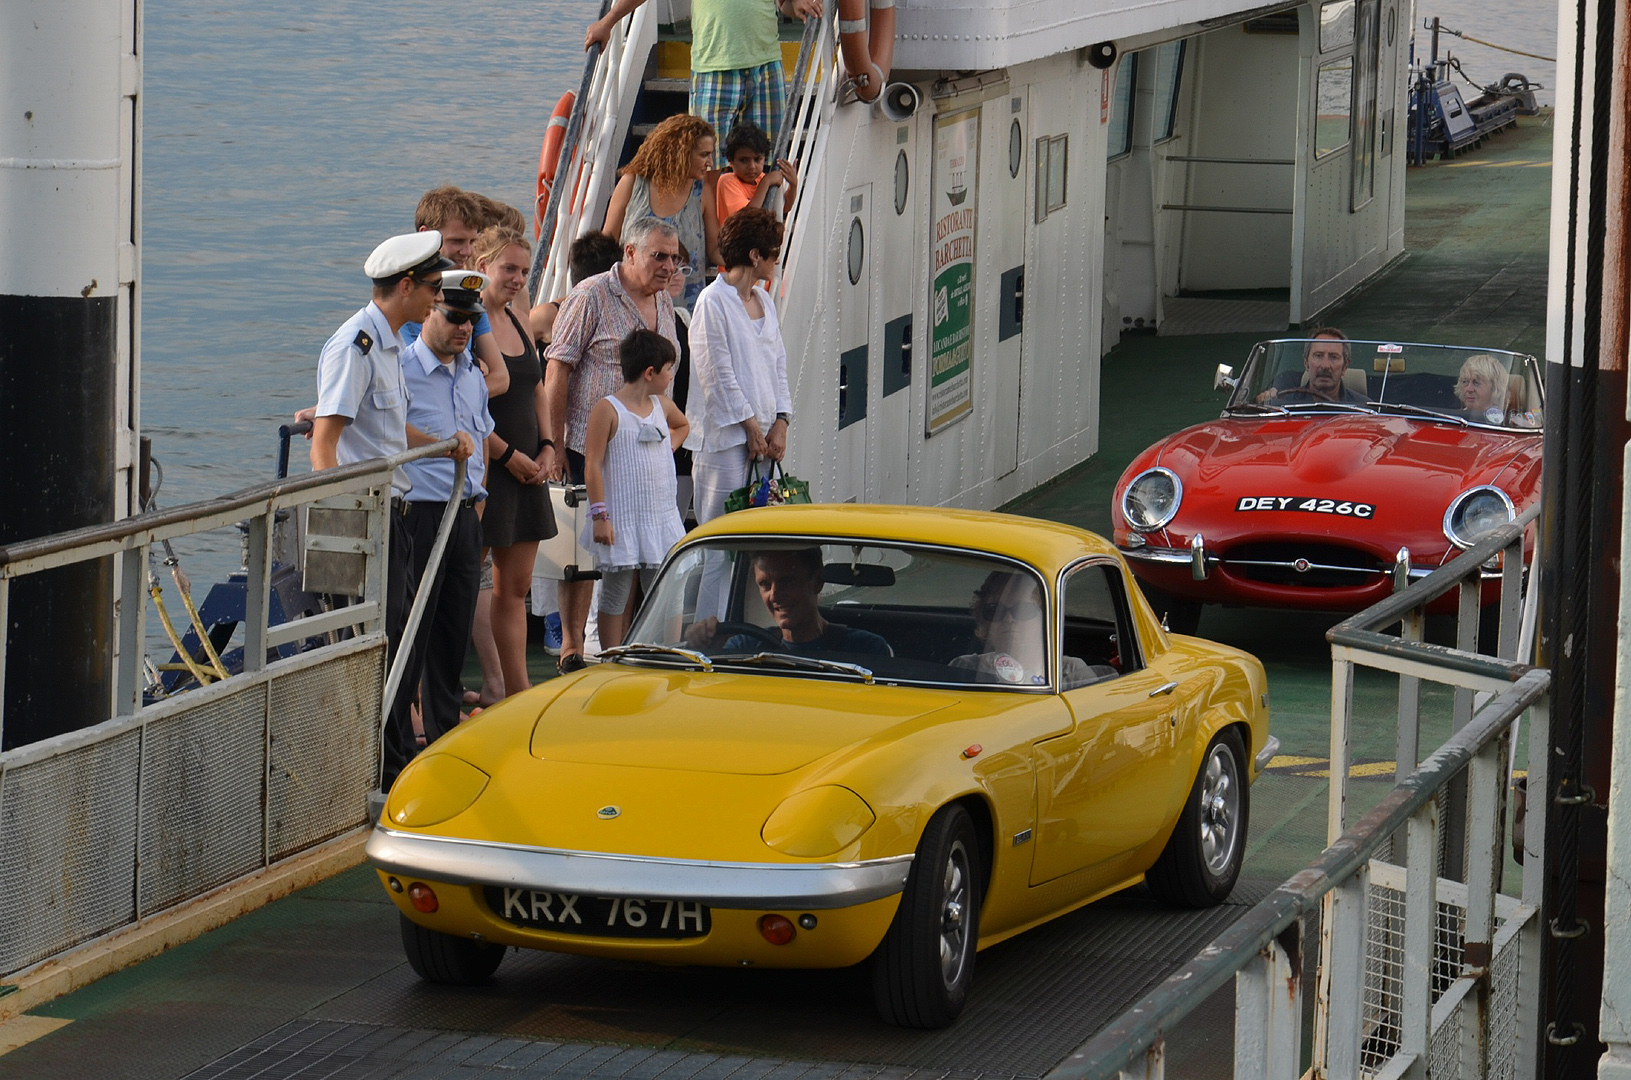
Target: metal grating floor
546	1015
1181	315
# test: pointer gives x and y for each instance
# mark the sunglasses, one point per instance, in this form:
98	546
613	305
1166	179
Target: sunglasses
458	318
1024	611
665	257
434	283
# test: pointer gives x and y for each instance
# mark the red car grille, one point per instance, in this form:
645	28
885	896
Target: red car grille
1306	565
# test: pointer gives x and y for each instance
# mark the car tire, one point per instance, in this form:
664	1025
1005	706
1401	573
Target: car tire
1202	858
1177	615
922	971
443	958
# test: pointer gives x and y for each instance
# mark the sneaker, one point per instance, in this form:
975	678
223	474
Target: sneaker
552	633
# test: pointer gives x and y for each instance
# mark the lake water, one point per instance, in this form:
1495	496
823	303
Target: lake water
283	141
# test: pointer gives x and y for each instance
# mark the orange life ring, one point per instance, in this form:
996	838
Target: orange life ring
868	48
549	157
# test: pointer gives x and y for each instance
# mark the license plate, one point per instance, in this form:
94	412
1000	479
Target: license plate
1306	504
600	916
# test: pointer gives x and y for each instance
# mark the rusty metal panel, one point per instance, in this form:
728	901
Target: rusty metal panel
68	848
324	750
203	772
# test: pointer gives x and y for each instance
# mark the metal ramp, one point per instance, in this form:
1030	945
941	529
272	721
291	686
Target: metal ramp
549	1015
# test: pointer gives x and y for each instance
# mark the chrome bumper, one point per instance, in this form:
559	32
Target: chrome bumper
755	886
1266	755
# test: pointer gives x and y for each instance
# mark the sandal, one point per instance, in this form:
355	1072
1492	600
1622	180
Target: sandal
570	662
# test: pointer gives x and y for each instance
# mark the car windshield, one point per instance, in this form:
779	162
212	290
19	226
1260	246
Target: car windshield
846	611
1482	387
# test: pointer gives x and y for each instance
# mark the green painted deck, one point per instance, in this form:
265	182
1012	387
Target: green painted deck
315	985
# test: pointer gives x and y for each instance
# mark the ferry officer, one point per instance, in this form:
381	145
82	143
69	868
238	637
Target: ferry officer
362	413
446	394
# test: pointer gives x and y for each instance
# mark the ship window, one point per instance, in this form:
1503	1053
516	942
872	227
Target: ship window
1333	105
857	251
1169	69
1052	154
1121	108
902	182
1336	24
1016	148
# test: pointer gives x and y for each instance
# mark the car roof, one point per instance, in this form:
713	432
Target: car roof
1046	545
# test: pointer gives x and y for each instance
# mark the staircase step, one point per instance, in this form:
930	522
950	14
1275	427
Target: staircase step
669	85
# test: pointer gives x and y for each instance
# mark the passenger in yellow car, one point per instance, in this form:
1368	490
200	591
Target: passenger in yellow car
1008	613
789	583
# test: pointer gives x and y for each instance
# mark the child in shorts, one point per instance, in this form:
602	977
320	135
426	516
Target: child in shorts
628	457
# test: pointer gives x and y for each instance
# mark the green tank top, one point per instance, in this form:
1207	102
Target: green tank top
732	35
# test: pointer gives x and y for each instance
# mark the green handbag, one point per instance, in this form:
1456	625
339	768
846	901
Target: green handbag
770	488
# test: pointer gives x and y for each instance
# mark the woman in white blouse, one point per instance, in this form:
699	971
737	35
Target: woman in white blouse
739	405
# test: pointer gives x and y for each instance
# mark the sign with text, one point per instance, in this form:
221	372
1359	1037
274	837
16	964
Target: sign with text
951	279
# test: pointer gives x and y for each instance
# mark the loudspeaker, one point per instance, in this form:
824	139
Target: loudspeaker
899	100
1102	55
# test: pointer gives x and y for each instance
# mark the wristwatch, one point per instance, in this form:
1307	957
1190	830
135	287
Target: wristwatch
786	418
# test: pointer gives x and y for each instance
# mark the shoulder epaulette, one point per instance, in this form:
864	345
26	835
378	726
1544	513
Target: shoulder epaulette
363	341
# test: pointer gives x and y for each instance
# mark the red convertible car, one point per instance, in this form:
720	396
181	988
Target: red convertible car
1335	465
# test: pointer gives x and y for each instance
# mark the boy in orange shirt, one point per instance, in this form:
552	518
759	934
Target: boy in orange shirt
746	183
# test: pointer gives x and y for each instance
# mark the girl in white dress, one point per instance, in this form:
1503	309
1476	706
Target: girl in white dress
629	470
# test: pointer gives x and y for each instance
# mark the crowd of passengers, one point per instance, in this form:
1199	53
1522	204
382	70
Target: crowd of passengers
643	371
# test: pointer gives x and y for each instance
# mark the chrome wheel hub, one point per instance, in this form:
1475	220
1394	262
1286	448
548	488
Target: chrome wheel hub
954	940
1220	809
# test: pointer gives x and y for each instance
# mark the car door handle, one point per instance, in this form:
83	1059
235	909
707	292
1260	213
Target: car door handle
1167	689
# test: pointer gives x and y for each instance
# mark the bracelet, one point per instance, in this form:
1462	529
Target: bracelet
503	458
545	442
597	508
599	515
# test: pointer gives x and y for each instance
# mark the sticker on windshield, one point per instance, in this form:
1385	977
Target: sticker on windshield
1308	505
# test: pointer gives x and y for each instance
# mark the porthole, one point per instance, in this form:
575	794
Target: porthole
857	250
902	182
1016	148
1391	14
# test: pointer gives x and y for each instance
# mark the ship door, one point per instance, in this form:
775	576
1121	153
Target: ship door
1007	149
854	357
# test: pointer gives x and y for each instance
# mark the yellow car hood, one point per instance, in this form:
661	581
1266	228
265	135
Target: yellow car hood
754	725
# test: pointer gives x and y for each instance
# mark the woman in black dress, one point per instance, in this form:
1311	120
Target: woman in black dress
518	513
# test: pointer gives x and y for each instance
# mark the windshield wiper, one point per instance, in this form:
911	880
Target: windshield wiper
1340	406
1257	406
1418	410
651	650
795	660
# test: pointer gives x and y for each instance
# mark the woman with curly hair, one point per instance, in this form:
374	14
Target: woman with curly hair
669	180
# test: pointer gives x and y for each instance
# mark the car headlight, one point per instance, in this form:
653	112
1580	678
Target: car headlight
433	788
1475	513
1152	499
817	822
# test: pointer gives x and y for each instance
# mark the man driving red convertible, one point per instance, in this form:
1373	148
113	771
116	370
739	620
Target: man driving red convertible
1325	362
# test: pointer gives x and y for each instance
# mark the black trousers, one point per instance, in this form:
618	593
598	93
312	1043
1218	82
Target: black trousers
399	742
443	640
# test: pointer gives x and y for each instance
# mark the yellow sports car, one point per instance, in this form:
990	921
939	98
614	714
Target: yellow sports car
838	734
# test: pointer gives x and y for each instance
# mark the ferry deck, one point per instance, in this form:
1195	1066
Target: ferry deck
315	985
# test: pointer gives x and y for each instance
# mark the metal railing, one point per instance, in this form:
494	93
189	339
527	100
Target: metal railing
1419	974
163	802
586	171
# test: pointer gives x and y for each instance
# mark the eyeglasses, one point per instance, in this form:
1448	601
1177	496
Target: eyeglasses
458	318
684	270
665	257
1024	611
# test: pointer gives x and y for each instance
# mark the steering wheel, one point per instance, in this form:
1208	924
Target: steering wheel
729	628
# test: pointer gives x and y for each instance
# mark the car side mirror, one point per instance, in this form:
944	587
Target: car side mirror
1224	379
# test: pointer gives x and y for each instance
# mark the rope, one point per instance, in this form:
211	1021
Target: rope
1490	44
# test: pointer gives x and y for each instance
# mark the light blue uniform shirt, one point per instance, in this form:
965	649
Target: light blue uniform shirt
365	386
442	399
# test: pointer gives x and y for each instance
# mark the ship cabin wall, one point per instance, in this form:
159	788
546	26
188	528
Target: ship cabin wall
874	422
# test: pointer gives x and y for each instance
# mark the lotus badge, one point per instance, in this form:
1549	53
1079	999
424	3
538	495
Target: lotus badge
606	813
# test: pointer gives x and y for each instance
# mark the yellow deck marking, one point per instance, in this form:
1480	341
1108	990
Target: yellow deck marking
1318	768
22	1030
1498	165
